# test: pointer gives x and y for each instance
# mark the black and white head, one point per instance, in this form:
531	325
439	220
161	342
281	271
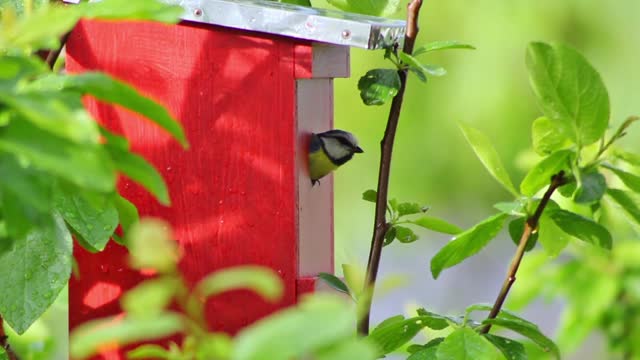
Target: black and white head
339	145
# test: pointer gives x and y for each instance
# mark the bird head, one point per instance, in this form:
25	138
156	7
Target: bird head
339	145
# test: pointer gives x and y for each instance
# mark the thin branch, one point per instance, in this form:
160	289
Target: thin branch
4	344
530	225
386	149
53	55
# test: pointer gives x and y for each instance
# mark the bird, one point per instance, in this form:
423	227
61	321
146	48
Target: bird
329	150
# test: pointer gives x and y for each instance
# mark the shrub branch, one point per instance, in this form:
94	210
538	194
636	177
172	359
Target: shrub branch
386	148
530	225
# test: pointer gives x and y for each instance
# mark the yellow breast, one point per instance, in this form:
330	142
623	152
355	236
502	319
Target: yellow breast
320	164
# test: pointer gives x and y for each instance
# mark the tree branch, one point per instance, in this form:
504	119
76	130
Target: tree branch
386	149
530	225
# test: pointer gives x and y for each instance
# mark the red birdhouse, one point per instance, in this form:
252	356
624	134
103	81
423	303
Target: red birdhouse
249	82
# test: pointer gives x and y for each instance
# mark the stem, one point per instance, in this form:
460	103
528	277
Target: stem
53	55
4	344
530	225
386	146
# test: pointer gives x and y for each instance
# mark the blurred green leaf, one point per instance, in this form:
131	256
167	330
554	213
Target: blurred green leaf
467	244
379	86
42	29
86	339
127	212
261	280
296	2
140	171
214	346
488	156
148	352
582	228
371	7
353	277
408	209
549	135
348	349
151	297
135	10
33	272
405	235
591	187
389	236
285	334
540	175
14	69
628	157
151	246
334	282
630	180
110	90
511	349
33	188
511	208
441	45
627	201
569	89
552	237
465	343
92	216
437	224
516	229
92	168
528	330
370	195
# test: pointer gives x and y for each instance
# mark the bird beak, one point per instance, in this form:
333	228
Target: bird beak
358	149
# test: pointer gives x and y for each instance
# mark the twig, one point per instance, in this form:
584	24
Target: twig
530	225
386	147
4	344
53	55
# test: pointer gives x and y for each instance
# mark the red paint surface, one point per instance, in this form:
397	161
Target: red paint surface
234	192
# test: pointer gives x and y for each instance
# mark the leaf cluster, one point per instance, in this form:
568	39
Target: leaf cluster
58	166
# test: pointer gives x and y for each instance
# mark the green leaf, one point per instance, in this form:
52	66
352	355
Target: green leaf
334	282
285	334
511	349
441	45
552	237
396	331
370	195
629	158
405	235
382	8
627	201
630	180
488	156
135	10
92	168
528	330
33	272
263	281
417	66
140	171
296	2
427	351
127	212
42	29
151	297
379	86
591	187
389	236
569	89
92	216
464	343
110	90
467	244
511	208
32	187
151	245
516	229
87	338
13	69
408	209
437	224
549	135
348	349
540	175
582	228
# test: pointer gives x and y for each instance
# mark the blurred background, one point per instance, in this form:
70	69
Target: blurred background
432	164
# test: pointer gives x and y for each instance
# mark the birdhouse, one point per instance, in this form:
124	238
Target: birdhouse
249	81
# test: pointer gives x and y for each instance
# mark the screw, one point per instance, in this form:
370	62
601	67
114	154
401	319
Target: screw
197	12
346	34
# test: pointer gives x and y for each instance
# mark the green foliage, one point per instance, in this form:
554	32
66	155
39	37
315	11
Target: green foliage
370	7
58	175
379	86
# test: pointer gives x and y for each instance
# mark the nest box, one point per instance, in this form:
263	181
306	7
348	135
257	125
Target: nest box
249	81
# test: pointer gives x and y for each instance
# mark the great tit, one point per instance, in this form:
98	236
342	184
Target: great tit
329	150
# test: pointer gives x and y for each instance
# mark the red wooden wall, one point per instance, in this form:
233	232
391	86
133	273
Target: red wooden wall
240	194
